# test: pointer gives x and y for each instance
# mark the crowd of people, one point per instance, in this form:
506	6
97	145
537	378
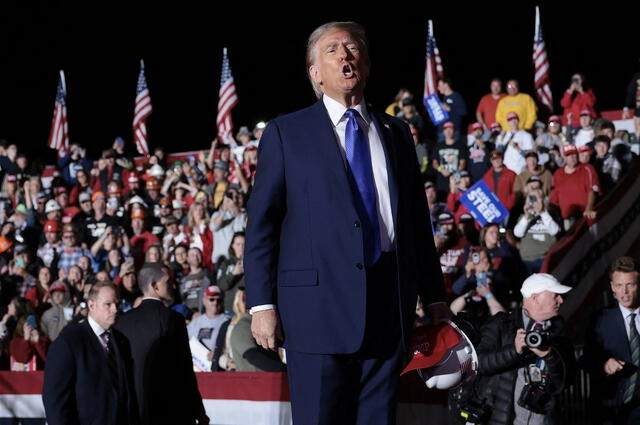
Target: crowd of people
100	220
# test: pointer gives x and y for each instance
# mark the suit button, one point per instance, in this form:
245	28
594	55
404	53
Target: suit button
359	266
356	224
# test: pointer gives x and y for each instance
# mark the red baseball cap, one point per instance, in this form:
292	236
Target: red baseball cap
495	126
585	112
212	291
512	115
476	126
584	148
448	124
429	344
569	149
52	226
554	118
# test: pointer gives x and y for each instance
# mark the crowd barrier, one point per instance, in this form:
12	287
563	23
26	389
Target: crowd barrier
230	398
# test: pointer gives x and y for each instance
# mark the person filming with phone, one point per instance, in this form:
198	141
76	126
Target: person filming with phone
475	286
537	230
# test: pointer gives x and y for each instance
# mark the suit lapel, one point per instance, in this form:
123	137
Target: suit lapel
391	156
98	351
619	333
329	149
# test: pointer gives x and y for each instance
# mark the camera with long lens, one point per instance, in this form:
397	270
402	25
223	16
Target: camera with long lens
537	339
536	398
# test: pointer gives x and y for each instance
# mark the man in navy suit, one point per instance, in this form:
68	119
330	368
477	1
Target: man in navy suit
87	378
339	242
608	352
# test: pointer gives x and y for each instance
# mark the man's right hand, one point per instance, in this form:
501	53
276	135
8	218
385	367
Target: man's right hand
613	366
265	327
519	341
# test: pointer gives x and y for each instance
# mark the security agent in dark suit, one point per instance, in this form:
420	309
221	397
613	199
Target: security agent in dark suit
339	241
88	377
165	383
609	350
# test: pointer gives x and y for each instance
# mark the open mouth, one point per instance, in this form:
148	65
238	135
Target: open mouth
347	71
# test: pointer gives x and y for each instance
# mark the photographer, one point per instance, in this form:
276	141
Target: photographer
524	360
537	231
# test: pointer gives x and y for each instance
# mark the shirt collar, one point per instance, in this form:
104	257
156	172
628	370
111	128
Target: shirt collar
97	329
336	110
626	312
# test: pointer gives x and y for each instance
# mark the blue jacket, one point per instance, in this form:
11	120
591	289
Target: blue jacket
304	246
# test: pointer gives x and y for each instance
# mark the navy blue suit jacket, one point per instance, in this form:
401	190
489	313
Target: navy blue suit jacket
607	337
78	387
304	246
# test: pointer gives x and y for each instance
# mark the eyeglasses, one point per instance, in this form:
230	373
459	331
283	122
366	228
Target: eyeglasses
68	237
214	300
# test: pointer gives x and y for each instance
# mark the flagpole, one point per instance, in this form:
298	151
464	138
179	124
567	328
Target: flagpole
63	82
536	31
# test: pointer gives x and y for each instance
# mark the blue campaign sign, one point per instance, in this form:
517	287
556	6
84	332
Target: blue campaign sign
483	204
434	108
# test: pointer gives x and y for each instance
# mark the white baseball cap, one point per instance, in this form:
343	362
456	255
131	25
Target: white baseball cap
51	205
540	282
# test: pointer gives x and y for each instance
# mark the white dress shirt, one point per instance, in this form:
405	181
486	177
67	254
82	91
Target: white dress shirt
339	120
625	314
98	330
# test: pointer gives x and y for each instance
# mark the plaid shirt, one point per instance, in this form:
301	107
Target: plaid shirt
25	284
70	257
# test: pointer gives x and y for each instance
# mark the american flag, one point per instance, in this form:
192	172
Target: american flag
226	101
59	136
142	111
433	69
541	64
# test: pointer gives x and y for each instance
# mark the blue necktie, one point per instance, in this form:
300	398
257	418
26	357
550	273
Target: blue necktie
359	159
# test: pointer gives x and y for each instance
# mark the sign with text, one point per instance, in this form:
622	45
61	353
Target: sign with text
483	204
434	108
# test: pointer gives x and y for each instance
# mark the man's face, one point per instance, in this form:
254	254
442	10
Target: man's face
340	67
137	224
99	205
63	199
512	88
57	297
34	185
431	195
104	308
69	239
86	206
164	287
52	237
571	160
602	148
554	128
496	87
607	132
448	132
513	124
212	305
74	275
547	304
625	289
496	161
584	157
585	121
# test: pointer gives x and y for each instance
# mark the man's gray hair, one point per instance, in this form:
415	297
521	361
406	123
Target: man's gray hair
353	28
149	273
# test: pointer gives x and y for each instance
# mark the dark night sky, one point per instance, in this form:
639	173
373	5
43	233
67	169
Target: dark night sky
182	47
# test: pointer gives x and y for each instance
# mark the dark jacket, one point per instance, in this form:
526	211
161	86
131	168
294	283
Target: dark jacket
499	362
606	338
165	383
79	388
